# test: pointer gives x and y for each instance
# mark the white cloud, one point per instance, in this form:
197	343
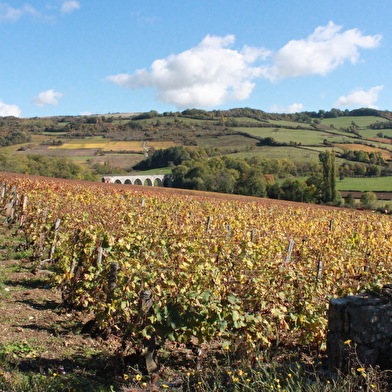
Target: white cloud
69	6
49	97
207	75
9	110
212	74
360	98
10	14
294	108
141	19
321	52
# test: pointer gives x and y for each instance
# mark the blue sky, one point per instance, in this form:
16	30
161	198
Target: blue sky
76	57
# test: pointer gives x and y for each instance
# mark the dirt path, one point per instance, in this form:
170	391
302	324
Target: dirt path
40	339
30	314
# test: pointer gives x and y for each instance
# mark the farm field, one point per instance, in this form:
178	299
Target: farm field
285	135
35	139
365	184
227	142
104	144
123	146
218	265
107	145
232	211
372	134
163	170
357	147
247	119
125	161
120	143
345	121
79	145
294	154
284	123
372	184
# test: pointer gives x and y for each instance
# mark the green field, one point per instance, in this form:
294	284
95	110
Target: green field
172	119
284	135
365	184
345	121
296	155
294	124
81	158
377	184
372	133
162	170
227	141
54	134
247	119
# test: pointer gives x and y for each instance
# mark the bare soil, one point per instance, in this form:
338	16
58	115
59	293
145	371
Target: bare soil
44	150
125	161
38	337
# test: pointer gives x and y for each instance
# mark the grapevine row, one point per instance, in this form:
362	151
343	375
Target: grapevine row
215	269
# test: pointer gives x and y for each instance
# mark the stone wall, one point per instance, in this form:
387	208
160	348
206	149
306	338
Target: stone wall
361	325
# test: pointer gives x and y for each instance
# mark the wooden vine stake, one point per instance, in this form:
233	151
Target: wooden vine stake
289	251
99	257
38	248
366	266
149	348
228	232
52	248
9	210
208	224
24	206
112	281
3	191
319	271
252	235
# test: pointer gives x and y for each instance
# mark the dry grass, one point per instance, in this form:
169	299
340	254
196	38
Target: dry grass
161	145
105	145
125	161
123	146
359	147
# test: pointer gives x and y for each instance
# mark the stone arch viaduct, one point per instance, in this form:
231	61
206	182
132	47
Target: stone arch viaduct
163	180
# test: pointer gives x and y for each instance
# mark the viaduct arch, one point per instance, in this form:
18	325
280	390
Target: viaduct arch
160	180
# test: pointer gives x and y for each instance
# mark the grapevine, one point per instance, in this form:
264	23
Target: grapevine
216	269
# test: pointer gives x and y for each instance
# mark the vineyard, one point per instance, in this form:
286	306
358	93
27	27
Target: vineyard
155	266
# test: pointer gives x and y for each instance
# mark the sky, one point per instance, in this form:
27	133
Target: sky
79	57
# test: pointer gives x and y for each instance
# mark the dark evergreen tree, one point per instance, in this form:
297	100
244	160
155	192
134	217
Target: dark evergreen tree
329	176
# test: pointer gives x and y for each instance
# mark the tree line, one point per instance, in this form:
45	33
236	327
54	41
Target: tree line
200	169
40	165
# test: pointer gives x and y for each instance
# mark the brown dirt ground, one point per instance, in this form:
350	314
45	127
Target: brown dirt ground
44	150
38	336
30	312
51	342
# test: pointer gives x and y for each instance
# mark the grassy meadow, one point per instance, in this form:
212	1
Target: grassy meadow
345	121
304	137
365	184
